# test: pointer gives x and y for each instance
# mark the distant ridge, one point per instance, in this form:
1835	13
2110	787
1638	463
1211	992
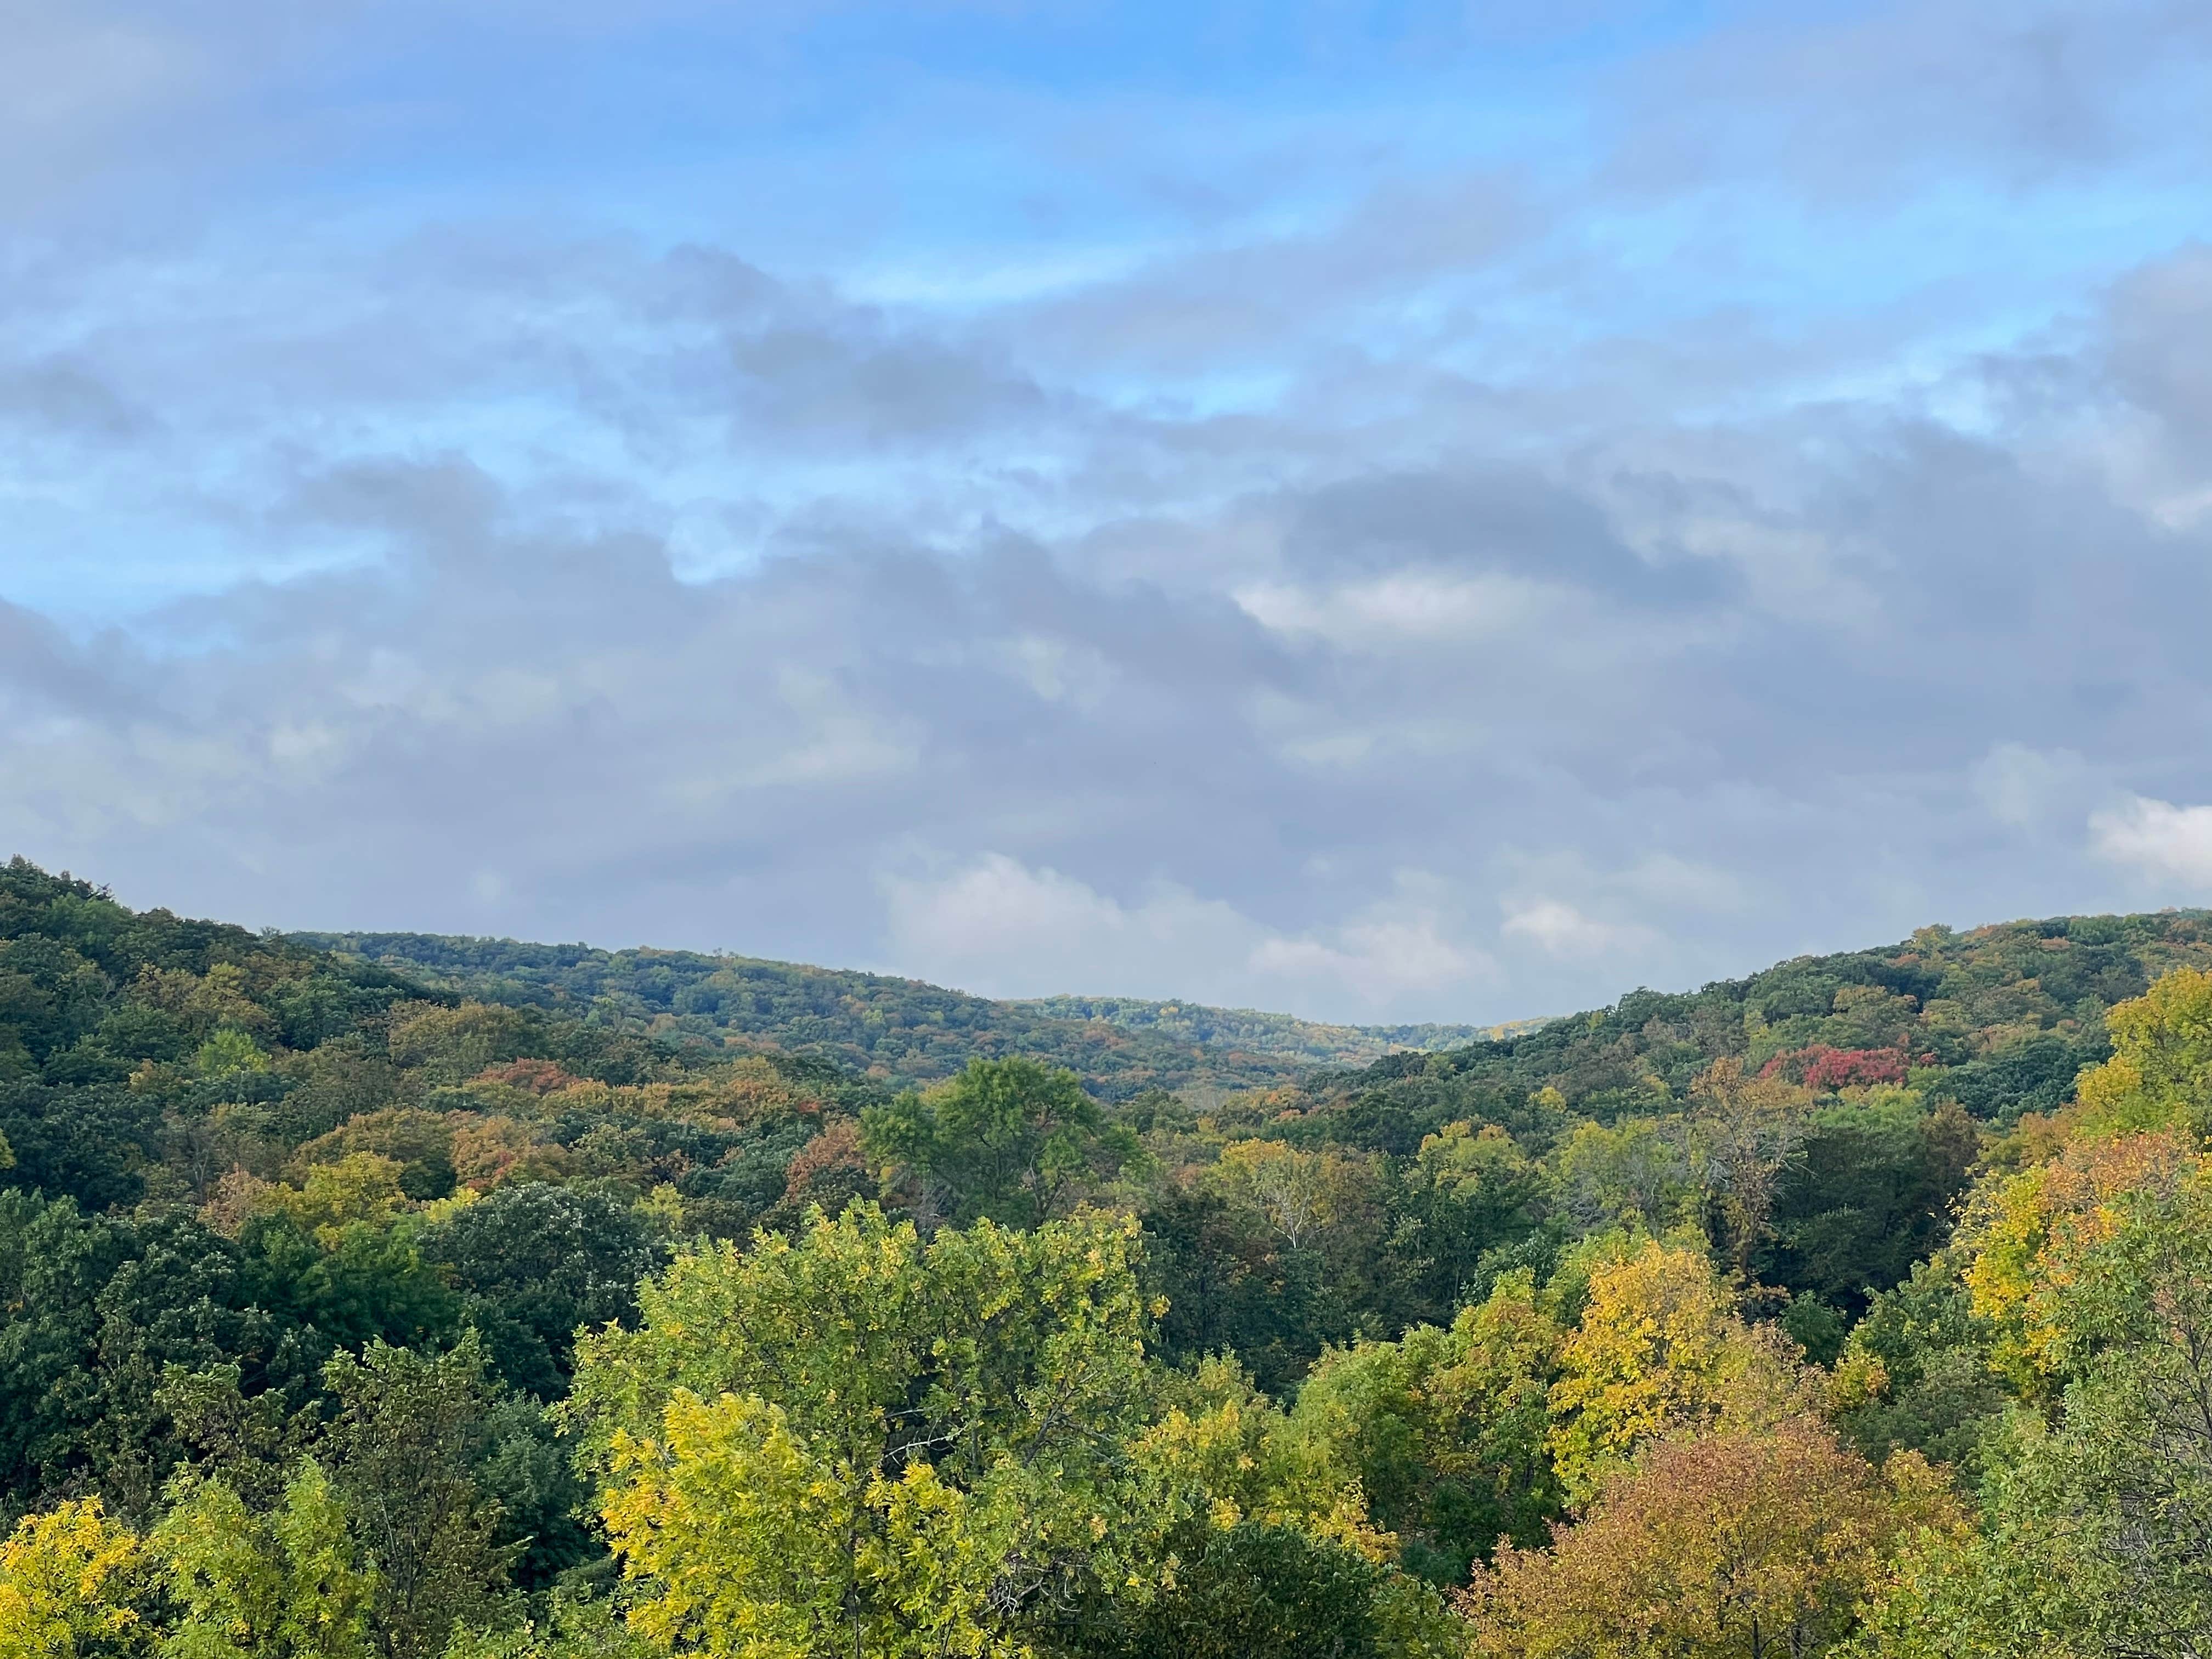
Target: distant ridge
1255	1031
899	1030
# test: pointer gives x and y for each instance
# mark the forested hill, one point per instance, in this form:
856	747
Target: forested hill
1999	1019
1283	1036
897	1031
1864	1299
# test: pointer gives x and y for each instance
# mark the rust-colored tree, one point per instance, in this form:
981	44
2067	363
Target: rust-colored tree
1733	1546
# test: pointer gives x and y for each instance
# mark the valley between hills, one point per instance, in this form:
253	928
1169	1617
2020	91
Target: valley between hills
476	1298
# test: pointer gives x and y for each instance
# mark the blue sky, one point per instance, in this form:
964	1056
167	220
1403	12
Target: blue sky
1385	511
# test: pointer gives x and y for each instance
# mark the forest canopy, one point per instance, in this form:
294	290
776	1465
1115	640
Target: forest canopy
899	1030
473	1304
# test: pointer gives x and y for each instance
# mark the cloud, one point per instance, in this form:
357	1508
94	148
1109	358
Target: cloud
998	924
2025	787
1853	101
2164	843
1003	928
1091	522
1380	961
1561	929
1665	879
1408	607
1201	777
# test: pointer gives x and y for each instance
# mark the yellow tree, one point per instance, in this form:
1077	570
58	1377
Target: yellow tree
2024	1234
1660	1350
2097	1272
2159	1076
65	1578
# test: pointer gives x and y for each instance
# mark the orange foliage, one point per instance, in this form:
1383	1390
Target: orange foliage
1735	1543
500	1150
539	1077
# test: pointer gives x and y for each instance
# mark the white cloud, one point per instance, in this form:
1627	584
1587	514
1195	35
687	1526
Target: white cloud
1001	927
1404	606
1561	929
1376	960
1175	612
2158	840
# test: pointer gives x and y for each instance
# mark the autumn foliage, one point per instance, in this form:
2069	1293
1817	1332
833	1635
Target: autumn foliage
1730	1544
595	1310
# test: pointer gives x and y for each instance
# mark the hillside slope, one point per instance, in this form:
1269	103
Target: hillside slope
248	1187
898	1030
1313	1042
1999	1018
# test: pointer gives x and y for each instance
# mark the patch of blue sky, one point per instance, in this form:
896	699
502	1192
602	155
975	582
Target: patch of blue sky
956	167
118	565
924	132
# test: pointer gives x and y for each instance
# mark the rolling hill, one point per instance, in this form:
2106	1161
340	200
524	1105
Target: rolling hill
897	1030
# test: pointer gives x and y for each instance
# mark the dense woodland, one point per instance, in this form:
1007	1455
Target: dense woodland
893	1030
436	1299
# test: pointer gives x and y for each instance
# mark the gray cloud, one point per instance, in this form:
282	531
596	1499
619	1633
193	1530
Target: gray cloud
518	576
1452	743
1850	102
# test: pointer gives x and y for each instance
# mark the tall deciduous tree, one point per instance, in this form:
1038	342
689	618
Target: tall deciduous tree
860	1444
409	1427
1746	1131
2096	1526
1299	1196
1007	1140
1731	1546
287	1584
1444	1430
66	1579
1660	1351
2159	1076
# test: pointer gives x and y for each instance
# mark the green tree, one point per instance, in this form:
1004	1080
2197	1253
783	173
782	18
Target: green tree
409	1430
1635	1172
1746	1134
1233	1284
95	1312
858	1443
1444	1430
571	1629
1258	1591
287	1584
2095	1530
1915	1372
536	1262
1007	1140
1871	1194
1467	1192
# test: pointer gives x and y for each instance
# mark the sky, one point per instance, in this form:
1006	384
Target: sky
1385	512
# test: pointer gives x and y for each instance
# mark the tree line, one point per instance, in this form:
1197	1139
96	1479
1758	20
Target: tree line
342	1315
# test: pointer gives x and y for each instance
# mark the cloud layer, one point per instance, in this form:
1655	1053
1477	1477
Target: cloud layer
1387	551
